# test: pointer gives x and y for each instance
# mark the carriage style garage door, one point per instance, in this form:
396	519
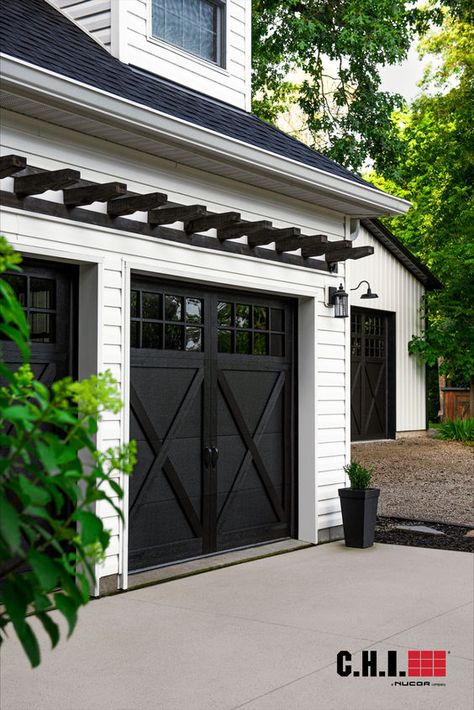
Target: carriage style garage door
45	290
372	375
212	412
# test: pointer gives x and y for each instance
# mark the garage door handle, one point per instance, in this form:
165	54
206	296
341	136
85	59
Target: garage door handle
214	456
207	456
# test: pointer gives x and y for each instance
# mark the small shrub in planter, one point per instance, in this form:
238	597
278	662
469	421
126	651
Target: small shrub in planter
359	506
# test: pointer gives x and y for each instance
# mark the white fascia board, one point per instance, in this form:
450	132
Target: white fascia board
31	81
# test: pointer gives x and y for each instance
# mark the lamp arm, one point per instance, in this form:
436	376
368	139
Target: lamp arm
362	282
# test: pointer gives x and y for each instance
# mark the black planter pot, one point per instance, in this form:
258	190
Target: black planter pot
359	515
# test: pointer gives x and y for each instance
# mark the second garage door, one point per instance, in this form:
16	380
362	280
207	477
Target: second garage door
212	411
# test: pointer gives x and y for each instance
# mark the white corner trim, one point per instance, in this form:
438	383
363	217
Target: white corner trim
27	80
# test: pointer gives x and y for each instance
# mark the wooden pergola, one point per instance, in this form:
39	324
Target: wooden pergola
29	181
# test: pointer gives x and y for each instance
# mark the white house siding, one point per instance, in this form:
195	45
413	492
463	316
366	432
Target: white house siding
93	15
133	44
324	442
399	291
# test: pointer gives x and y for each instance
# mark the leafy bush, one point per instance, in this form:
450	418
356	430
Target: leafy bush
359	476
51	478
457	430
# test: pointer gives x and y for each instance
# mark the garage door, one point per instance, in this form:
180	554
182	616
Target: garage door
212	411
372	375
45	290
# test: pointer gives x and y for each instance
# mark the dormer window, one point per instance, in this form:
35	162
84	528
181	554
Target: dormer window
196	26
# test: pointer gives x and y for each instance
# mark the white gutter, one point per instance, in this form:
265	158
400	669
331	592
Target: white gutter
30	81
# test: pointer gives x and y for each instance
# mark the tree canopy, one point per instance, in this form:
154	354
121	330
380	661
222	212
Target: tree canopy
435	171
338	47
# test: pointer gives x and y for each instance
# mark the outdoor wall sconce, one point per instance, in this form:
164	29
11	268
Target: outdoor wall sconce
338	298
368	293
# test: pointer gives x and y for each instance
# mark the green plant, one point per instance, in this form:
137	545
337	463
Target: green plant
457	430
51	478
359	476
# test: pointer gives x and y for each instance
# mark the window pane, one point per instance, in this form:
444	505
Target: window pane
260	344
224	313
260	317
173	308
134	296
134	334
151	335
43	293
42	327
191	10
174	29
193	310
208	46
242	316
193	339
277	319
151	306
242	342
158	20
18	284
224	341
277	345
174	337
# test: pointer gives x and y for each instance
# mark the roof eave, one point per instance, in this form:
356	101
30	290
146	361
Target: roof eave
60	93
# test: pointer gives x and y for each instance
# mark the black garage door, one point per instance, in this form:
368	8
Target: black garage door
212	411
372	375
45	290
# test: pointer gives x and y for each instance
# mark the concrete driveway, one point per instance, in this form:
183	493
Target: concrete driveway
264	636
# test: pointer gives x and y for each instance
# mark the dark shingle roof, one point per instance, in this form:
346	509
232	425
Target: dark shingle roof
36	32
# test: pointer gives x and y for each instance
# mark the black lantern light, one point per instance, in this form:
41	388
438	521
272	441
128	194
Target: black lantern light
340	300
368	293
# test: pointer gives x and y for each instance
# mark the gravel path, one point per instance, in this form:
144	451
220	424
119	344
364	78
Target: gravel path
422	478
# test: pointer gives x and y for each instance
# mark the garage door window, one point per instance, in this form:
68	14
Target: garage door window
250	330
166	322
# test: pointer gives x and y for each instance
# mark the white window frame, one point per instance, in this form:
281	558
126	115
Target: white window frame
222	40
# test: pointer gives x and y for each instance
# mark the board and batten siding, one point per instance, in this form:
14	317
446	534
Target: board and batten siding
325	442
401	293
93	15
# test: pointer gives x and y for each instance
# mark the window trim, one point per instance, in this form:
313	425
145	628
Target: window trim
222	39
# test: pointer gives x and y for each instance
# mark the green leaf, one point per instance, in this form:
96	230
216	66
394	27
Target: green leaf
51	628
36	495
9	525
29	642
17	413
47	456
15	602
46	570
91	526
68	609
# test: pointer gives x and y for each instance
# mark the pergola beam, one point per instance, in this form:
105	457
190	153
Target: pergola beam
211	221
178	213
11	164
36	183
87	194
120	206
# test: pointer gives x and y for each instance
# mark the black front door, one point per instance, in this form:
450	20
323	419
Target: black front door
372	375
212	411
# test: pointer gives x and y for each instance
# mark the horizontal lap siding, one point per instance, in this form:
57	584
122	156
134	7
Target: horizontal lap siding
93	15
331	414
